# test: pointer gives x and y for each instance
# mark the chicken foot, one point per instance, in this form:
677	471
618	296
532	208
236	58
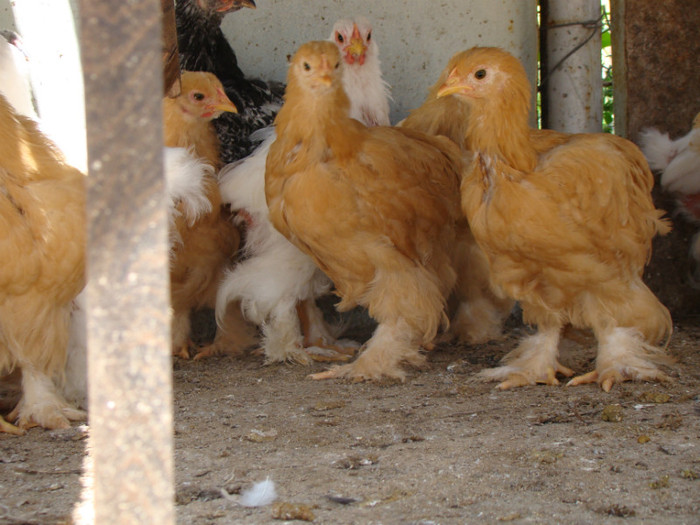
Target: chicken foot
318	335
9	428
534	361
389	346
623	355
41	405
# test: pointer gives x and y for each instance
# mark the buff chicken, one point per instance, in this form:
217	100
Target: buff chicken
375	208
276	281
42	210
207	246
566	229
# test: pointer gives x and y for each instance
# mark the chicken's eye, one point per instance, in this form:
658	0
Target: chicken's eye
369	36
337	65
198	96
480	74
307	67
339	38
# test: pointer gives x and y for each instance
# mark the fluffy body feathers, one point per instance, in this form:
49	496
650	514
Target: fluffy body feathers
566	222
42	211
374	207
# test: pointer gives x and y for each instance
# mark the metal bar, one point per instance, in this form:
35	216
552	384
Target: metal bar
572	84
130	384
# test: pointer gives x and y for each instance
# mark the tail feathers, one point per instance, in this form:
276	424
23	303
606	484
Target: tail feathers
658	148
184	178
683	173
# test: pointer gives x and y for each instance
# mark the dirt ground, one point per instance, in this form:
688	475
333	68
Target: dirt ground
441	448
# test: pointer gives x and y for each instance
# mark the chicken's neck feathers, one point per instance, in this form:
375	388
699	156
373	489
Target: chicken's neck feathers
502	134
368	91
318	123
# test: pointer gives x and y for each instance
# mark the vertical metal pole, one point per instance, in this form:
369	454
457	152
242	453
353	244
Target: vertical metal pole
130	385
573	91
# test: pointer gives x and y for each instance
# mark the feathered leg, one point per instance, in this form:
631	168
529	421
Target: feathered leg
481	313
180	333
41	404
233	334
320	343
282	339
391	345
623	355
534	360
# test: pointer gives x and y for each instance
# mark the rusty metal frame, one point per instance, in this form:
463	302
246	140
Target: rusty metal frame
130	373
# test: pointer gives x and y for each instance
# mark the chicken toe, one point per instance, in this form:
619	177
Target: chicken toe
9	428
534	361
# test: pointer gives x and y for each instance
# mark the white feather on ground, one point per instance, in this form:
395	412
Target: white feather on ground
261	494
274	275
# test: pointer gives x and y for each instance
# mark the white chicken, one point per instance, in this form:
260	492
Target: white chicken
276	283
679	163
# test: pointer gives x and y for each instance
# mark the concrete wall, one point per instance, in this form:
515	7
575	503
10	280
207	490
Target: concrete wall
415	37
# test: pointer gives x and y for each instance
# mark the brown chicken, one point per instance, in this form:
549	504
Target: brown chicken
566	222
479	312
374	207
207	246
42	239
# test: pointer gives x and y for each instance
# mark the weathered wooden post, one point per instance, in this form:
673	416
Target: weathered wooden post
130	384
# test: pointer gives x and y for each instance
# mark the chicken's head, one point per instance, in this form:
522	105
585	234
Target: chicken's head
203	96
354	40
315	67
485	73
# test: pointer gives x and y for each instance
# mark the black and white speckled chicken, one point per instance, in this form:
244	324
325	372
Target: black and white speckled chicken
203	47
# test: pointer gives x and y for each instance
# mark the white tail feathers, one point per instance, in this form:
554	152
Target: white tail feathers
184	178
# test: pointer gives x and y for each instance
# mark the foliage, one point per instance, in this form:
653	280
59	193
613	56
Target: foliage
607	71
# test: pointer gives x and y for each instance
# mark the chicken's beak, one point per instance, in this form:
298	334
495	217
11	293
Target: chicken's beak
453	84
223	103
234	5
324	77
356	49
325	80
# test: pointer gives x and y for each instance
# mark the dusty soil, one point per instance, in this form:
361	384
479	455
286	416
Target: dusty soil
443	447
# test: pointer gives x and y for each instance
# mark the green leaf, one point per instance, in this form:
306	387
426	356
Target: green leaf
605	40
